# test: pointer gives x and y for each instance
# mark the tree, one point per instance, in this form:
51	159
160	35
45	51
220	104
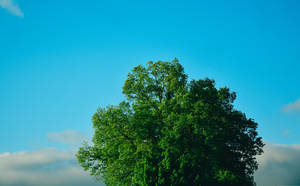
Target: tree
170	131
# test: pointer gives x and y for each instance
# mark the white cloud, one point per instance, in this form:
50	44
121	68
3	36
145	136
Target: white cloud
47	167
67	137
11	7
291	107
279	165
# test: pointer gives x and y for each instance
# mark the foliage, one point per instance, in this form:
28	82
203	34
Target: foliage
172	132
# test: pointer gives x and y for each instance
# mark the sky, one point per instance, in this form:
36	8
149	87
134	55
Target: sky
61	60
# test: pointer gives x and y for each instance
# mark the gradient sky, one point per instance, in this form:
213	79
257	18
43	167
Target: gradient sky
60	60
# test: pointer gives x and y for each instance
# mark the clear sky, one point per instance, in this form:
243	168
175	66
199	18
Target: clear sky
60	60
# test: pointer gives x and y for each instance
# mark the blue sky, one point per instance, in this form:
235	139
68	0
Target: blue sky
60	60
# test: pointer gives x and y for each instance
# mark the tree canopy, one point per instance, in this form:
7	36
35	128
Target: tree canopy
171	131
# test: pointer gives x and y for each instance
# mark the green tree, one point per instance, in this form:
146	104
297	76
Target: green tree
172	132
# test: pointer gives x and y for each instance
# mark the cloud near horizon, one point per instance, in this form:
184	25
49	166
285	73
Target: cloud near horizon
13	8
47	167
279	165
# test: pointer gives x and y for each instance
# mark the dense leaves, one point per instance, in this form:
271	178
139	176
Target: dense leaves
172	132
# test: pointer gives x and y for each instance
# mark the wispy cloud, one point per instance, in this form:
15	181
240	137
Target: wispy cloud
67	137
292	107
286	132
48	167
279	165
11	7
